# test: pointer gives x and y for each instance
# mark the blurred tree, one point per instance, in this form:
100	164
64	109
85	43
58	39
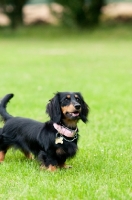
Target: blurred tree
13	8
82	12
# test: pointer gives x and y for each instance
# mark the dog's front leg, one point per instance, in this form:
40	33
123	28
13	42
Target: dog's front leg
65	166
48	161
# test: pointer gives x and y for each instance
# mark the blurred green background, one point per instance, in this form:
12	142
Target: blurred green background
39	58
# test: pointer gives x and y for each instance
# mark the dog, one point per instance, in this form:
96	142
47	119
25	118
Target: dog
51	142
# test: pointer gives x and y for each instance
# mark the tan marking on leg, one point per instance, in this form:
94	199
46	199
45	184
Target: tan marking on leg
28	155
64	166
2	156
50	168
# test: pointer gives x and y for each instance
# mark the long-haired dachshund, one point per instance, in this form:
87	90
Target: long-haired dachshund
51	142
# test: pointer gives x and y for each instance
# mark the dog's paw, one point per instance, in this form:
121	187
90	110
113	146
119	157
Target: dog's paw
64	166
50	168
29	156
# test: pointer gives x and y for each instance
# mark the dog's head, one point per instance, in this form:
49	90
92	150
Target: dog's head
67	106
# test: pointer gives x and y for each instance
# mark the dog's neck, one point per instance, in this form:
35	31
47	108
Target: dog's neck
71	124
67	127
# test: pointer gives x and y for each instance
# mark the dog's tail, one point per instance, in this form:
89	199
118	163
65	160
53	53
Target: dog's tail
3	103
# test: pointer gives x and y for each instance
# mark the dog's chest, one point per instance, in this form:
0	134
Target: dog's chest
67	150
60	151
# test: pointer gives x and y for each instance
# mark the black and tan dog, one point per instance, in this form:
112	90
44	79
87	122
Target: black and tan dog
51	142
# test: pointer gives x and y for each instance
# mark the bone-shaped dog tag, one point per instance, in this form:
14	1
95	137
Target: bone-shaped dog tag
59	140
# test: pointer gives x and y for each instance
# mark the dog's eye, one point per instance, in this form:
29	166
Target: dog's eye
67	99
77	99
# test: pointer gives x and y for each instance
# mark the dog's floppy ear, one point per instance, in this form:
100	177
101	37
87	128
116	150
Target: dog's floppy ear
53	109
85	109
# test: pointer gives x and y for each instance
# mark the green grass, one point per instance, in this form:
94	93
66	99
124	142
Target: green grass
34	64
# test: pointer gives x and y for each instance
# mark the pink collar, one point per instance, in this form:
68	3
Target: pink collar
65	131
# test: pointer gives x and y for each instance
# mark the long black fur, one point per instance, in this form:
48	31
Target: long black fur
38	138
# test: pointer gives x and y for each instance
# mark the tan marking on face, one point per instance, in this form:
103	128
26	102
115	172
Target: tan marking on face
76	96
68	96
70	122
69	108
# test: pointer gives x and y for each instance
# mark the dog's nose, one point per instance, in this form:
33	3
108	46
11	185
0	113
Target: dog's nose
77	106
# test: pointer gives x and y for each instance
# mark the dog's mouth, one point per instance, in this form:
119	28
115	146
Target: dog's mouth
73	114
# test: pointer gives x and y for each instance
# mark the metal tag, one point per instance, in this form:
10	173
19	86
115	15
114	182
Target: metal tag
59	140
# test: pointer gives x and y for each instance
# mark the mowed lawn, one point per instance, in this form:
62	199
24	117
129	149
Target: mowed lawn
35	64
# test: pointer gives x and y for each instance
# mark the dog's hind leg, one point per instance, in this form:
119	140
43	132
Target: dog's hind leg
27	154
3	150
2	156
